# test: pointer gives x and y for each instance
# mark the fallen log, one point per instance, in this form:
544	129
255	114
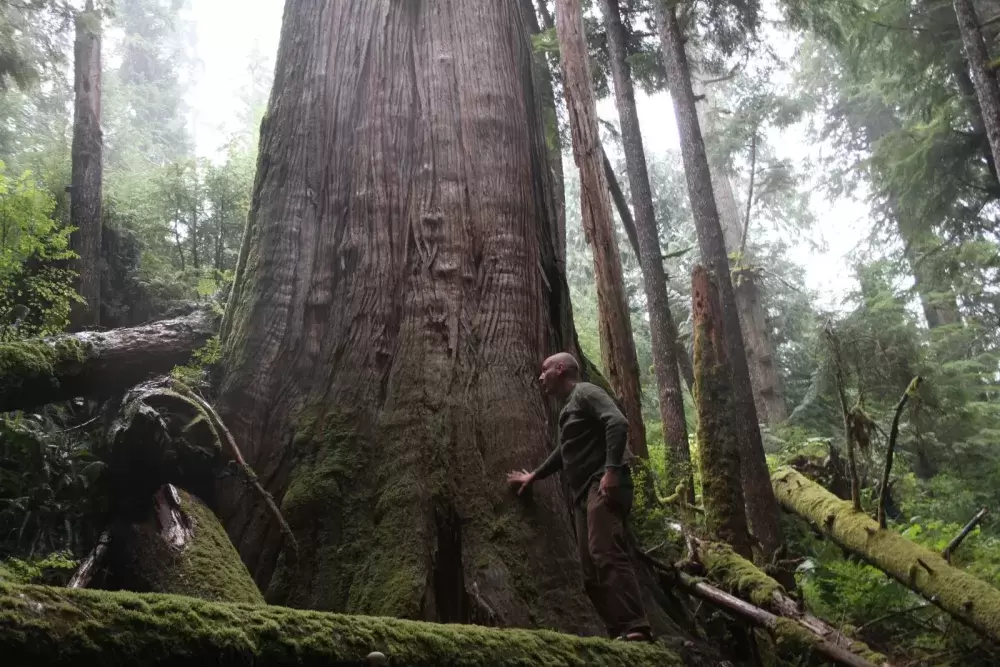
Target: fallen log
968	599
790	636
739	577
59	627
175	544
96	364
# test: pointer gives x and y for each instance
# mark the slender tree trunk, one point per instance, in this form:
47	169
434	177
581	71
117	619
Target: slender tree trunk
982	77
195	262
663	332
85	207
764	377
618	197
617	345
397	289
722	493
762	508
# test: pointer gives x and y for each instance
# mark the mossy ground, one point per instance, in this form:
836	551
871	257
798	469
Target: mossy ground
51	626
965	597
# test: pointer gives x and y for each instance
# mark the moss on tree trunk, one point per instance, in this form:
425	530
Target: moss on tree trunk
968	599
40	625
722	493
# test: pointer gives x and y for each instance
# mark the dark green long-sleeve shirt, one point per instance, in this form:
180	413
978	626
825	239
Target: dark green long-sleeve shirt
592	438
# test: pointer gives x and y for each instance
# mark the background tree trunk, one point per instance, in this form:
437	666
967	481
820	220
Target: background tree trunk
553	139
615	324
764	377
982	77
663	333
85	206
396	292
762	509
722	493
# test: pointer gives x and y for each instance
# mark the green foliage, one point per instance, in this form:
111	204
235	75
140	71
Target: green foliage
47	464
37	293
55	569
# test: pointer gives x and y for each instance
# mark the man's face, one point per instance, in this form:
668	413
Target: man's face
551	376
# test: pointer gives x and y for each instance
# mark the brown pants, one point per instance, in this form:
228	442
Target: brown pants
608	576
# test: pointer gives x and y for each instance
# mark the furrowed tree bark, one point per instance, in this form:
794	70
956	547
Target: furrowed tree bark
96	364
764	376
397	289
762	509
617	344
982	77
722	493
85	202
663	331
968	599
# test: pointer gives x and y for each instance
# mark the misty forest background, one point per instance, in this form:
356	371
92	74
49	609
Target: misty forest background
810	111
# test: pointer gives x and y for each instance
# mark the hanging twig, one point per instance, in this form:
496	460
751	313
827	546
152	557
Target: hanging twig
883	492
969	527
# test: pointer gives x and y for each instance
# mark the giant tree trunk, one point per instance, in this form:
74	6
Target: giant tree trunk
397	289
762	509
662	330
764	376
617	344
982	77
85	206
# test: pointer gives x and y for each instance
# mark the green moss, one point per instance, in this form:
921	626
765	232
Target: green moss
962	595
210	568
53	626
207	567
24	364
722	493
738	576
349	509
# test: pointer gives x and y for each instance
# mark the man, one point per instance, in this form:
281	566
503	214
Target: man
591	453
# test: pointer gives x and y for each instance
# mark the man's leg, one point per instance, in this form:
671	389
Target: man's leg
591	584
620	593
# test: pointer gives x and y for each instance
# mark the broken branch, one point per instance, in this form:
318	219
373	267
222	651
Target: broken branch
969	527
883	493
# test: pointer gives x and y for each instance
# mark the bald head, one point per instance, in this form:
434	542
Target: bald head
559	373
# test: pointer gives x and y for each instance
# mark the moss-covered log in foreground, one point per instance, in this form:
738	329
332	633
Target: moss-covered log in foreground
41	625
968	599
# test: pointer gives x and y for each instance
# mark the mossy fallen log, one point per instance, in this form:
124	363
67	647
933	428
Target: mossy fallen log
96	364
967	598
41	625
791	638
179	547
738	576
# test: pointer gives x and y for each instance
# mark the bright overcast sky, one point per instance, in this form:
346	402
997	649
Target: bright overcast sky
227	31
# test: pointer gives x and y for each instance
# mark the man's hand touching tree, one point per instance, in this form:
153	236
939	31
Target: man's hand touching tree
520	480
